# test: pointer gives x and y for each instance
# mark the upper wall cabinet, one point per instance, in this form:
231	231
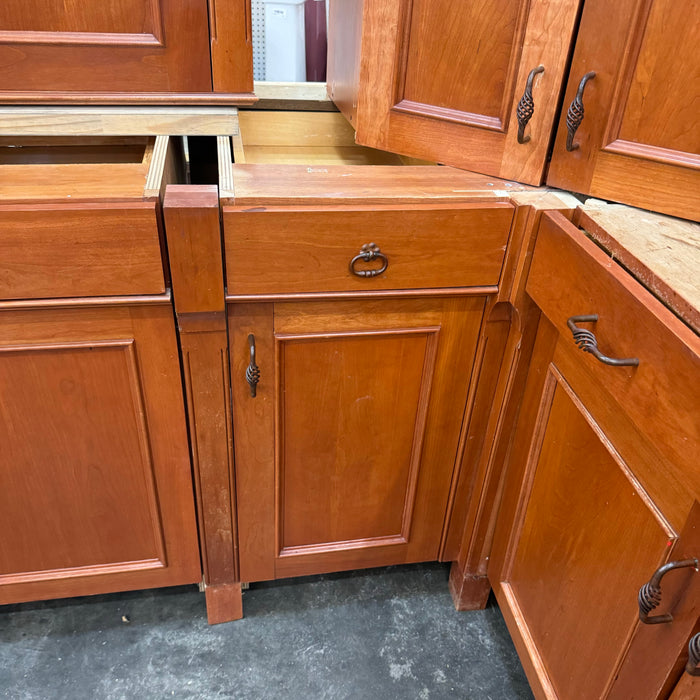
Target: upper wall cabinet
52	51
478	85
474	85
634	92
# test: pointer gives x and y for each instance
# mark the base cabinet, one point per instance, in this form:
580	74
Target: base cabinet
96	491
345	455
593	507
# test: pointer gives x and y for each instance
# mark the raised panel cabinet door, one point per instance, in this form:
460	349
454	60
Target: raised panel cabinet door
449	81
586	537
95	484
104	46
635	130
345	455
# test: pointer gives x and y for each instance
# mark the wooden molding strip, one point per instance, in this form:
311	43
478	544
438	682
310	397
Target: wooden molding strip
118	121
48	97
75	302
369	294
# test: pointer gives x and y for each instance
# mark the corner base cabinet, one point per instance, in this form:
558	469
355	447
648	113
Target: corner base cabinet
603	484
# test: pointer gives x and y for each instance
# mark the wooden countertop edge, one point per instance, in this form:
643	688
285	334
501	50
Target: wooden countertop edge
661	287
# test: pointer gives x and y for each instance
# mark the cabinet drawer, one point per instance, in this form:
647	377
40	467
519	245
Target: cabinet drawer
570	276
289	251
79	216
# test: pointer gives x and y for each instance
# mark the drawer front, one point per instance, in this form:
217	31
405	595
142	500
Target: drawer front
50	251
290	251
571	276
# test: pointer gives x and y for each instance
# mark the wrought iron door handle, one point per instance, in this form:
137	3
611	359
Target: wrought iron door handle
526	106
693	656
587	342
252	373
649	596
574	115
369	252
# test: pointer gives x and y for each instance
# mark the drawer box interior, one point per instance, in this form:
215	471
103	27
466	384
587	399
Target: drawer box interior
49	169
79	216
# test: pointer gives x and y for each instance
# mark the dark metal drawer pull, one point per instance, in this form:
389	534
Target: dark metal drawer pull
574	115
693	656
587	342
650	593
252	373
369	252
526	106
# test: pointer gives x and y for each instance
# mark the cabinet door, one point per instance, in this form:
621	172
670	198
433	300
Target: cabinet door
344	458
104	46
442	80
586	536
639	140
95	485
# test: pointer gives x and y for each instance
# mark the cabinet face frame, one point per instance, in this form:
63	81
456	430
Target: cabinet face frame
485	143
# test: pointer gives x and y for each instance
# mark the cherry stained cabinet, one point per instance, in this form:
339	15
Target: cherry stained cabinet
344	457
95	485
442	80
51	50
639	137
347	454
603	484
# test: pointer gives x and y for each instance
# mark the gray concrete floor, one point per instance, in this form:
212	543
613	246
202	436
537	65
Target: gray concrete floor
385	633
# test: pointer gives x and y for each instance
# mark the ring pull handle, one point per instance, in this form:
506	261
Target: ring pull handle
574	115
587	342
526	106
369	252
252	373
650	593
691	667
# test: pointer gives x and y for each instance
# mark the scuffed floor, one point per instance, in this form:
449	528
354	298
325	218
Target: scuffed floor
385	634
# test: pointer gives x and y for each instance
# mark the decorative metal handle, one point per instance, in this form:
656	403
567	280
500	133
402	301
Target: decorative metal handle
252	373
650	593
693	656
587	342
526	106
368	252
574	115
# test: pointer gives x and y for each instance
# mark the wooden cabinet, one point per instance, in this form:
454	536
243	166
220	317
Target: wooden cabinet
603	486
96	492
96	489
442	80
639	139
121	50
346	455
449	82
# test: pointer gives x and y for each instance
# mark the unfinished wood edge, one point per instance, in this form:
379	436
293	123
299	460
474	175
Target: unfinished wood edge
126	120
223	152
156	170
269	90
238	147
546	199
